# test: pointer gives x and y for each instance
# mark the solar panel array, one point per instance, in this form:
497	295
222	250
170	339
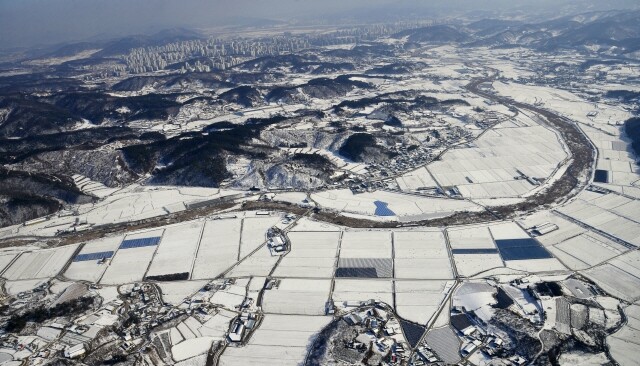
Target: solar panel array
412	332
92	256
350	272
601	176
474	251
445	343
365	267
137	243
521	249
382	209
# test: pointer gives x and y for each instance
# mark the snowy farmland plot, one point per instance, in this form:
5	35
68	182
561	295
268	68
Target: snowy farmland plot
384	205
521	252
5	260
564	102
366	244
306	224
218	248
298	296
313	254
586	250
616	167
421	255
260	263
254	231
232	295
176	251
44	263
175	291
365	254
357	290
92	260
418	301
139	202
133	257
498	163
473	249
280	340
612	214
416	180
616	280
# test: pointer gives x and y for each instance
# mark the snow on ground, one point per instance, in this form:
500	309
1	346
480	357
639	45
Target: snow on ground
312	254
405	207
493	165
91	187
346	290
191	348
612	214
565	103
92	270
306	224
298	296
177	249
624	345
175	291
218	248
15	287
130	264
231	295
421	255
280	340
418	301
40	264
132	203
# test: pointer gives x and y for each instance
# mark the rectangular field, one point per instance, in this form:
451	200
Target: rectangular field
254	231
218	248
298	296
177	250
130	265
313	254
40	263
418	301
421	255
92	270
281	340
362	290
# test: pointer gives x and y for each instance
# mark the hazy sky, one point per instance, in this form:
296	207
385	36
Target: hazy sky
26	23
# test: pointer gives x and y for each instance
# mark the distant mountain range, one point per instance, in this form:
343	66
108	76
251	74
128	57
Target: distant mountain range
611	32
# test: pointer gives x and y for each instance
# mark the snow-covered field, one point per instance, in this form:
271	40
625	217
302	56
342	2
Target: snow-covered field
612	214
131	203
313	254
218	248
40	264
405	207
488	169
280	340
254	231
130	265
366	244
177	249
298	296
418	301
362	290
421	255
92	270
